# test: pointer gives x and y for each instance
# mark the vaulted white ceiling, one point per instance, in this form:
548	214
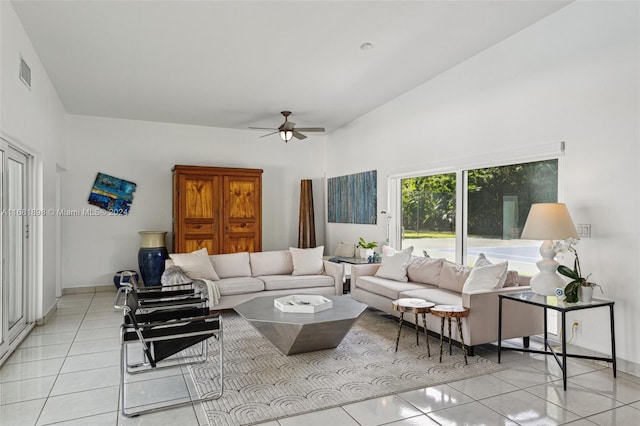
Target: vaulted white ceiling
239	63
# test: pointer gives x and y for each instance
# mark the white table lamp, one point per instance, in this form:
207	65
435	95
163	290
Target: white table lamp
548	222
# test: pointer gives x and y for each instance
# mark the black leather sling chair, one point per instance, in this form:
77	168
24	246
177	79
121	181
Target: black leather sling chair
166	328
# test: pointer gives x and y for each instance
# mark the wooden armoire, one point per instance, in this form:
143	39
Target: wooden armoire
218	208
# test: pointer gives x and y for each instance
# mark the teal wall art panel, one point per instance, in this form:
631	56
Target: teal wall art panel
353	198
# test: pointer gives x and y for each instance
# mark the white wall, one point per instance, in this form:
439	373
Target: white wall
35	121
144	153
571	77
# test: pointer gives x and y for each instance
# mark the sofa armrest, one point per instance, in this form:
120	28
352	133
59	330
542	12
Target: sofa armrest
363	270
336	270
518	320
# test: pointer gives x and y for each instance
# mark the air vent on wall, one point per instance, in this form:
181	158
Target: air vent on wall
25	73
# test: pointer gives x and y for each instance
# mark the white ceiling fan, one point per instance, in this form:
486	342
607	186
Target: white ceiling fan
287	130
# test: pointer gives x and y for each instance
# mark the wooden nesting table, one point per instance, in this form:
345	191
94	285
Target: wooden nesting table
448	312
417	307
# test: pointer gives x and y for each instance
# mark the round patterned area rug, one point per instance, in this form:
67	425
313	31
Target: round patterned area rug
261	384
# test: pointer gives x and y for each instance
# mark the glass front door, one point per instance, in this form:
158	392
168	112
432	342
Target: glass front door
14	232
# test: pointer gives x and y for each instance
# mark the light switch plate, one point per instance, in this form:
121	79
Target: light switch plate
584	230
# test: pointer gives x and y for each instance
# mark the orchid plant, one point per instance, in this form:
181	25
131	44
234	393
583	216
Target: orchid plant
571	290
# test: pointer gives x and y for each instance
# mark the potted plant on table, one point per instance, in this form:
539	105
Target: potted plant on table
365	249
580	288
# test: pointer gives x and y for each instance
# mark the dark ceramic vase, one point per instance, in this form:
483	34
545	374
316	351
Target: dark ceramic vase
124	276
151	256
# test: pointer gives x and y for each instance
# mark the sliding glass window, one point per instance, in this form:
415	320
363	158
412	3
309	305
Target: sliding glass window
497	201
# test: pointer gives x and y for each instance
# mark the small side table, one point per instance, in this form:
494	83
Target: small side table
448	312
417	307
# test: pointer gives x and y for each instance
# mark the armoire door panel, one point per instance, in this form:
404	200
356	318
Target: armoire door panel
236	245
197	244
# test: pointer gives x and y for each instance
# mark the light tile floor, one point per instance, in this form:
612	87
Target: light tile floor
66	373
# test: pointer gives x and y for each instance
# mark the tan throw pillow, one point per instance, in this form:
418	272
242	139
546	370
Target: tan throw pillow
425	270
485	277
453	276
395	267
195	264
513	279
307	261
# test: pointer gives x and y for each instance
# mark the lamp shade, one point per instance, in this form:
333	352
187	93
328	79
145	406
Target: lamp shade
549	221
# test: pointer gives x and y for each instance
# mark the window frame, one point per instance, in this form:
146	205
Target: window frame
461	167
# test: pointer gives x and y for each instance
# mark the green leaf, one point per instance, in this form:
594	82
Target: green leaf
571	291
563	270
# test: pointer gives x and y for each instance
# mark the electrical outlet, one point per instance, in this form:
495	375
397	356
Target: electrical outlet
584	230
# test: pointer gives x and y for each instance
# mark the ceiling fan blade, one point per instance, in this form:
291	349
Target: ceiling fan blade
269	134
310	129
298	135
262	128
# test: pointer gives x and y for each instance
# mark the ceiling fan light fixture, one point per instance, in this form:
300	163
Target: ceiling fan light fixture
286	135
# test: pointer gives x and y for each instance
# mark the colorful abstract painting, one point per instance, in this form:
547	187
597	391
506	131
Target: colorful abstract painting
112	194
353	198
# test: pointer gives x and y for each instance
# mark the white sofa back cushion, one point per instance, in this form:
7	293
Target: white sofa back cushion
231	265
277	262
307	261
425	270
195	265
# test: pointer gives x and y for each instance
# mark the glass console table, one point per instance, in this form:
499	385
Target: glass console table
551	302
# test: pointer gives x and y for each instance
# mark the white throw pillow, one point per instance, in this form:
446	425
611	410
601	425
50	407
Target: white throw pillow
395	267
345	250
483	261
195	264
307	261
390	251
485	277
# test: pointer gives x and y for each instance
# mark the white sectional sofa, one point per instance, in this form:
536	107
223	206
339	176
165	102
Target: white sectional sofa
243	276
442	282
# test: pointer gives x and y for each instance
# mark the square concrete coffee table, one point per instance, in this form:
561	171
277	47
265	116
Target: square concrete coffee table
294	333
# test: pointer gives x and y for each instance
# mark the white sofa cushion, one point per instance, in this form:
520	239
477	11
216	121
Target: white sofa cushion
386	287
231	264
453	276
195	264
290	282
277	262
395	267
239	285
425	270
307	261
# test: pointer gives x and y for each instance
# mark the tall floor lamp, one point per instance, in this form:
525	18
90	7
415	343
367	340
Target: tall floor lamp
548	222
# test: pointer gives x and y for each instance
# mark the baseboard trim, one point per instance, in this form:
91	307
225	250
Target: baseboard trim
90	289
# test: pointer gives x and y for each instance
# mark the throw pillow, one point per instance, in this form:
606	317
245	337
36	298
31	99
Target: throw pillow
390	251
453	276
195	264
307	261
345	250
485	277
483	261
513	279
395	267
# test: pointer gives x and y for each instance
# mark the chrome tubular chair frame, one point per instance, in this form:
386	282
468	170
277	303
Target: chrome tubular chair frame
172	331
